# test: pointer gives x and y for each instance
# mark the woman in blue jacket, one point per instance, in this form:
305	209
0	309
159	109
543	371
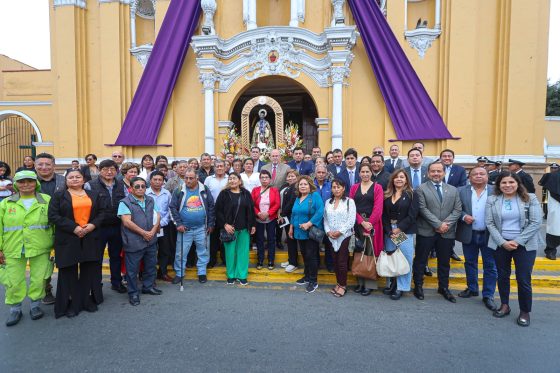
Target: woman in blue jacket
307	212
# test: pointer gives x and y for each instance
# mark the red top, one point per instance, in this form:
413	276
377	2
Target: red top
375	217
274	196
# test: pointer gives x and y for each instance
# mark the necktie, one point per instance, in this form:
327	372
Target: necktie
438	189
273	172
394	162
415	180
351	174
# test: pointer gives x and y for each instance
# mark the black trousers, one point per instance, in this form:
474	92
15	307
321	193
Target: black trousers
329	252
292	248
444	248
310	252
524	261
78	287
215	246
166	250
111	237
552	242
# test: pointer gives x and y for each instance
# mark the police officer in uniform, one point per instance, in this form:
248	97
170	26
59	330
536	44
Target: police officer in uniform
517	167
494	168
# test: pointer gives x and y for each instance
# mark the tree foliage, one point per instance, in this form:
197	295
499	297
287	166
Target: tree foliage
553	99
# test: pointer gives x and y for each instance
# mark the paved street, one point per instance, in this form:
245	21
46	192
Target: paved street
265	328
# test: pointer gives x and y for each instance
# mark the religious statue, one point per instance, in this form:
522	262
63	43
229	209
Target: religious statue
262	133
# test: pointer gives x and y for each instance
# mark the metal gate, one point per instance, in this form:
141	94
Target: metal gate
16	135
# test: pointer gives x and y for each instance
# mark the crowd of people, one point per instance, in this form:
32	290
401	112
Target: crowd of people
150	215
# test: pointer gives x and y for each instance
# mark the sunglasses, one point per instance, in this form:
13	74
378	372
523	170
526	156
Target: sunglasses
139	186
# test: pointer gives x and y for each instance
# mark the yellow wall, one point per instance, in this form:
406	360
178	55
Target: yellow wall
486	75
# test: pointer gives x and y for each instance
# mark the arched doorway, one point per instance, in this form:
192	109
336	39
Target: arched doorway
297	106
17	133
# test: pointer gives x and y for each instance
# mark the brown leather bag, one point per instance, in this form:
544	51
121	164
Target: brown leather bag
365	265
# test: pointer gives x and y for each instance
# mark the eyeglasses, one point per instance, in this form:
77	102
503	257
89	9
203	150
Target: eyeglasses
139	186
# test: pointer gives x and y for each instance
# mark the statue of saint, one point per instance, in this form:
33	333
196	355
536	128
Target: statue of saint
262	133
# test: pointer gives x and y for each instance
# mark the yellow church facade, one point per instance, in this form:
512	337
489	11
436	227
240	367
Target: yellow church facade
483	64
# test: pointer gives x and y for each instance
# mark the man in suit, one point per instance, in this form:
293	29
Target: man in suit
379	174
418	174
338	164
315	153
439	210
298	164
494	169
255	156
394	162
517	167
472	232
350	173
277	169
454	175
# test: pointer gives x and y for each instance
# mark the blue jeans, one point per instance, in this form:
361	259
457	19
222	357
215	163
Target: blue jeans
270	229
132	263
490	274
407	248
198	236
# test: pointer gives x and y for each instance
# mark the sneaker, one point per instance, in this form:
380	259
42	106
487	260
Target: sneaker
311	287
271	266
14	318
284	264
49	298
202	279
230	281
243	282
302	281
290	268
36	313
259	265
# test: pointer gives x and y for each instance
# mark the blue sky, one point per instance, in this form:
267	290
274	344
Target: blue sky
24	33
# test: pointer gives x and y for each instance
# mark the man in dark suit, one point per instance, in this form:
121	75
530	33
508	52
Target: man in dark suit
298	164
379	174
350	174
255	156
439	210
394	162
517	167
472	232
338	164
494	169
454	175
418	174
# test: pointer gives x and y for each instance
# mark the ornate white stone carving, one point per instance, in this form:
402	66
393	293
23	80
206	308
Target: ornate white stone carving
146	8
208	80
209	9
339	73
142	53
421	39
275	50
78	3
338	14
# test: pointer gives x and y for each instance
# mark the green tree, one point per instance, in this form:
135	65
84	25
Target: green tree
553	99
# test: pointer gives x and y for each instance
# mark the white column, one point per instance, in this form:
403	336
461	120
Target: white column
438	15
209	9
293	13
250	13
337	76
133	5
208	80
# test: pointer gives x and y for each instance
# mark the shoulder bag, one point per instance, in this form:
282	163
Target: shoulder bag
392	264
225	236
364	265
316	234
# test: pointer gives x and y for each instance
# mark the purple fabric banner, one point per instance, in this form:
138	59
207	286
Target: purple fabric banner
412	112
143	120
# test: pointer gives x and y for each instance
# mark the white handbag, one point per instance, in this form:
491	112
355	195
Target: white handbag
393	264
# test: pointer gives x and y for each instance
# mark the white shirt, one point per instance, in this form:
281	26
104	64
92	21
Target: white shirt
478	209
215	185
341	219
251	182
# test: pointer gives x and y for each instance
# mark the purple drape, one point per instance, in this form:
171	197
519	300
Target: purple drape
412	111
143	120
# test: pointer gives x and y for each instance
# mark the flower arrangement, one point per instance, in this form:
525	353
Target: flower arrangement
231	143
291	140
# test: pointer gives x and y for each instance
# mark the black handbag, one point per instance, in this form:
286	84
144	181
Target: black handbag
315	233
225	236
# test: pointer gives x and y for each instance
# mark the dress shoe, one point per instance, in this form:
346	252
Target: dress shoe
455	257
49	298
366	292
489	303
502	311
119	288
396	295
14	318
428	272
36	313
524	319
152	291
176	280
134	300
202	279
468	293
550	256
359	289
166	278
447	295
419	292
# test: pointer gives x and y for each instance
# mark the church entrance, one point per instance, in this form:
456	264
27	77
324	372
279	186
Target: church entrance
271	104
